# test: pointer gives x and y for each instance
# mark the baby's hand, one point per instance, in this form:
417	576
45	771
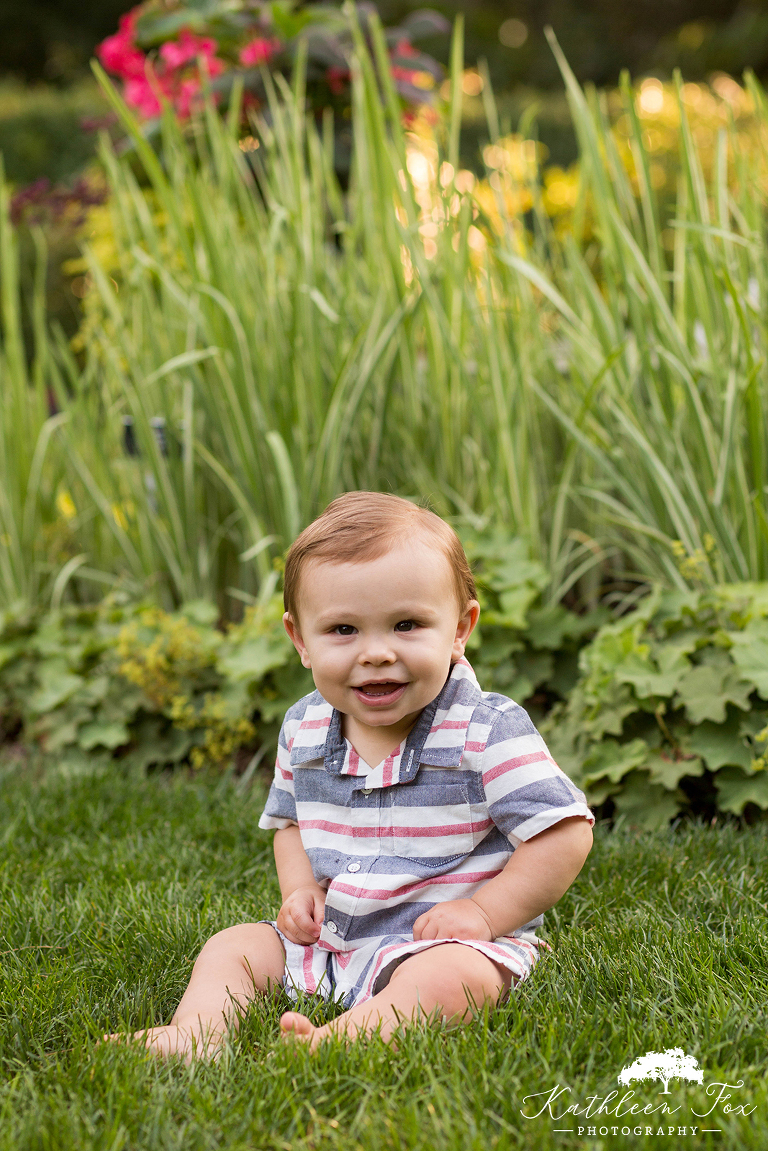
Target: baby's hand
457	919
301	916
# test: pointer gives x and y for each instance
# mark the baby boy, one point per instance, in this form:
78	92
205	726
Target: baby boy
421	825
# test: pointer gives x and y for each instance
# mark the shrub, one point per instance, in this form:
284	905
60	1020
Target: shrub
148	687
156	688
670	714
158	49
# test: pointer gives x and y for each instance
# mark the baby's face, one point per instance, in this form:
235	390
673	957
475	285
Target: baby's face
380	636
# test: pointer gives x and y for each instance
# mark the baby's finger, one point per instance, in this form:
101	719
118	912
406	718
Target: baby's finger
302	916
319	913
429	929
298	935
419	924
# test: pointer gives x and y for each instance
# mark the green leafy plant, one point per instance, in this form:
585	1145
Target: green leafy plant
149	687
130	681
670	714
525	646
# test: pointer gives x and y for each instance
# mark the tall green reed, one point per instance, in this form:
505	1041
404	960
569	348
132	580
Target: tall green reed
28	466
273	339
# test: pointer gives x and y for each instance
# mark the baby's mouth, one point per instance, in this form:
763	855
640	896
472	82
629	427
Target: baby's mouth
381	691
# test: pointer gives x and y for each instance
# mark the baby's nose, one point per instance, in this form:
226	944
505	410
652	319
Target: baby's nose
377	650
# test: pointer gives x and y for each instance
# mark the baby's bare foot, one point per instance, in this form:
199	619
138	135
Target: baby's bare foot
296	1026
190	1042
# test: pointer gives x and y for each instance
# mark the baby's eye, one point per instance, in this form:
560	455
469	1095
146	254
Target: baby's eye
405	625
344	629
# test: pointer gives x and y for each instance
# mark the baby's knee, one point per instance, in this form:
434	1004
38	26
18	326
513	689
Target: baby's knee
243	941
459	975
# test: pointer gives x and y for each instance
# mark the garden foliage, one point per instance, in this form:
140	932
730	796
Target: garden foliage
128	681
258	338
670	713
150	687
165	51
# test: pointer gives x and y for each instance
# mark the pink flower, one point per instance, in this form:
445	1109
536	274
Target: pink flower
258	51
185	95
140	94
119	53
177	53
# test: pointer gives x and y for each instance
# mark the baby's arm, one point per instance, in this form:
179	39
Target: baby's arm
301	916
538	874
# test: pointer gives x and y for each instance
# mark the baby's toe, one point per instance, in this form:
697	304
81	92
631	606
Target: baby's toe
296	1026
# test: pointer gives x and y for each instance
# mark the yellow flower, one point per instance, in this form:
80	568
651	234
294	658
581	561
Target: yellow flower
65	505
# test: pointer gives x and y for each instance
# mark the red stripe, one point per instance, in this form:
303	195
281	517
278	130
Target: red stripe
386	777
290	742
518	761
315	723
379	964
354	761
474	745
445	880
450	725
403	832
286	774
309	979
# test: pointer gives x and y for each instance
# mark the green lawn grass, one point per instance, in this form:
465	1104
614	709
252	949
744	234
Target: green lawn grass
109	886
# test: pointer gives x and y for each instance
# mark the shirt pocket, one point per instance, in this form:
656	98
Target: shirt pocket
434	833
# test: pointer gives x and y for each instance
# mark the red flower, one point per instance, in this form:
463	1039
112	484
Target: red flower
258	51
337	78
119	53
177	53
404	48
141	95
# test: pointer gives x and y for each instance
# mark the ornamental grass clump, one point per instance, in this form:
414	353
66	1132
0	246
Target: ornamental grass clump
259	338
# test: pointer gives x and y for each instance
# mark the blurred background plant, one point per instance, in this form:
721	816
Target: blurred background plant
565	359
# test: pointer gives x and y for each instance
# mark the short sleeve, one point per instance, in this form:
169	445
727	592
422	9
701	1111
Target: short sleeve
525	790
280	808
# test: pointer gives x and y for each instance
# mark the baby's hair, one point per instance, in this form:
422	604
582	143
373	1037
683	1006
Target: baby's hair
361	526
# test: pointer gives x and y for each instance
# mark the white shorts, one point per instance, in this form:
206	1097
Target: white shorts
352	977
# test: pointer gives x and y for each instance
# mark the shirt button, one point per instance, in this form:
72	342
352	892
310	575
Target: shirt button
331	927
353	867
367	790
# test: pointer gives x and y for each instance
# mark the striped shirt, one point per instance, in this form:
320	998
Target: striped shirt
440	816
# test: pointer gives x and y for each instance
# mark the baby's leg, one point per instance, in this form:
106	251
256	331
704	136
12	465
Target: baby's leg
234	966
451	979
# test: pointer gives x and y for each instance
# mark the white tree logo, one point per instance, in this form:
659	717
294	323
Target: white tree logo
663	1065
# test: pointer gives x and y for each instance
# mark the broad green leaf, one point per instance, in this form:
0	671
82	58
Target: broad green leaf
57	684
612	760
704	692
720	745
94	690
255	658
735	789
645	804
109	735
60	735
668	771
514	606
750	654
551	626
646	679
607	714
200	611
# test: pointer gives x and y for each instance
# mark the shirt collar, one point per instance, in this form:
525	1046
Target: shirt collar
437	738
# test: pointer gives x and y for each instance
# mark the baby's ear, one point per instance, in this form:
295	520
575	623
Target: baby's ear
291	627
